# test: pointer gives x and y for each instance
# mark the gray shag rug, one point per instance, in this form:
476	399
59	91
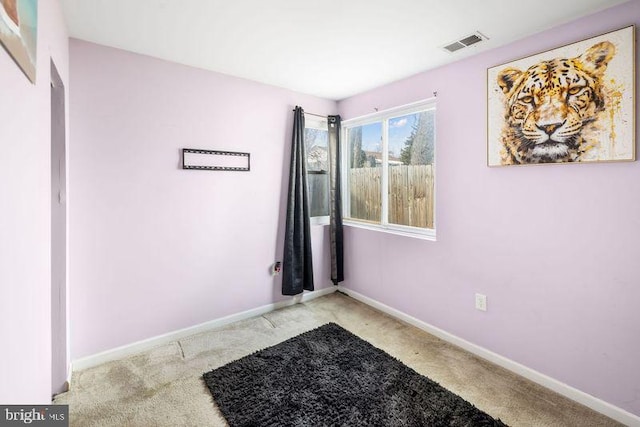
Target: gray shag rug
330	377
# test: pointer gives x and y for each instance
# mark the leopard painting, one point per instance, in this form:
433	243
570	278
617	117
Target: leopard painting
553	108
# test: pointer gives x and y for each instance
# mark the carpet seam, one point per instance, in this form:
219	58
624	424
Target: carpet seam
269	321
181	349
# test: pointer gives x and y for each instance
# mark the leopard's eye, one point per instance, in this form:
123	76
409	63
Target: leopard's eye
575	90
527	99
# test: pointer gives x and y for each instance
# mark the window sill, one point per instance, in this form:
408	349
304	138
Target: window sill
408	232
319	220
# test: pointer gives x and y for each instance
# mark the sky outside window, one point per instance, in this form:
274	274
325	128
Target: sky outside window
399	130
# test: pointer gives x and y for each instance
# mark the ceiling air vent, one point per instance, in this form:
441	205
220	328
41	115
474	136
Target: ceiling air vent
454	46
465	42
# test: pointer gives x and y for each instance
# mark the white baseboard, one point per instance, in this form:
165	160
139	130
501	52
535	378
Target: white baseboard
574	394
140	346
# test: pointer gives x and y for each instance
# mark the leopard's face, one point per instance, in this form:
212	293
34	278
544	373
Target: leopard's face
548	106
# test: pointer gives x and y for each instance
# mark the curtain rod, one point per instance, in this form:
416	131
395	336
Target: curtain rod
313	114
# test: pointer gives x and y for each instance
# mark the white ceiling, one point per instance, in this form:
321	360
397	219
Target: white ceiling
330	48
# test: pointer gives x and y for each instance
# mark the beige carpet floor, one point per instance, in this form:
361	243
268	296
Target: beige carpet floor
164	386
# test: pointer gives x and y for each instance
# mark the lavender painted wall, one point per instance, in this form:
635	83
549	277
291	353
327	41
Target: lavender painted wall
555	248
156	248
25	217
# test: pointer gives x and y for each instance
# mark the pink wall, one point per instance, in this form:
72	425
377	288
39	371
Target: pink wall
555	248
25	217
155	248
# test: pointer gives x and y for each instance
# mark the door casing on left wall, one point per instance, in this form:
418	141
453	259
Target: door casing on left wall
59	354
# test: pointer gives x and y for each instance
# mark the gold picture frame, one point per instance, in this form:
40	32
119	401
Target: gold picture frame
572	104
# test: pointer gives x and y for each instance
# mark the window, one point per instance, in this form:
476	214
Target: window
316	142
388	172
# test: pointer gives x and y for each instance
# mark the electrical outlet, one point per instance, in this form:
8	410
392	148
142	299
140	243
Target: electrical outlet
481	302
276	267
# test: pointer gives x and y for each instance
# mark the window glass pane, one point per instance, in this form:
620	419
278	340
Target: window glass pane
411	153
316	146
317	150
365	171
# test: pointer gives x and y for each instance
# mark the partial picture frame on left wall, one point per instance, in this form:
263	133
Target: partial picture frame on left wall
19	33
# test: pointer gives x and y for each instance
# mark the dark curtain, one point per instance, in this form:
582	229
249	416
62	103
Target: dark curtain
297	264
335	201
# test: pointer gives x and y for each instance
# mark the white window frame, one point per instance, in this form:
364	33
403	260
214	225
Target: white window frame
320	123
384	117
